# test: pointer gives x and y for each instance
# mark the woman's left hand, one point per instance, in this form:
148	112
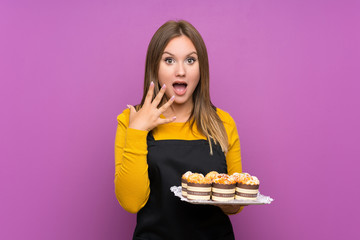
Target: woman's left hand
229	209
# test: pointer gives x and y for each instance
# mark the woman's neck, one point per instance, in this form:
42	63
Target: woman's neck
181	111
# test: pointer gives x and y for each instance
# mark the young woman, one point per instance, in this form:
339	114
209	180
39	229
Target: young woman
174	129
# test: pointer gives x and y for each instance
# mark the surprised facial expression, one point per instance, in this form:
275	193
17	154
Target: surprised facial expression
179	70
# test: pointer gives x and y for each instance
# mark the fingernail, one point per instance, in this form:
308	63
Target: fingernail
128	106
163	85
172	97
152	83
174	117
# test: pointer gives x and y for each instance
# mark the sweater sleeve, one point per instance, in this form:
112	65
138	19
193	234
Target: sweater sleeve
131	169
233	156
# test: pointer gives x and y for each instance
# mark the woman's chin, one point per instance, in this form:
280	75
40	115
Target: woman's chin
182	101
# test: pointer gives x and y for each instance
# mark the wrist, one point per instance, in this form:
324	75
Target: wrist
138	127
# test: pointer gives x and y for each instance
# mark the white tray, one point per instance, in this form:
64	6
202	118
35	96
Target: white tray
260	199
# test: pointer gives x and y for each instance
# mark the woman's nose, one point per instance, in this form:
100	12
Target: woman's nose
180	70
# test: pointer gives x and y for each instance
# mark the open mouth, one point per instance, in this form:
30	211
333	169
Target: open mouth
179	88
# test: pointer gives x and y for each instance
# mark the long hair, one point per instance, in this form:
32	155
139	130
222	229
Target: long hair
204	112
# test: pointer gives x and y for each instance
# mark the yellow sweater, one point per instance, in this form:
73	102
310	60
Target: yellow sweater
131	170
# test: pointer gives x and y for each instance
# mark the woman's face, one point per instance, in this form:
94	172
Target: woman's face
179	70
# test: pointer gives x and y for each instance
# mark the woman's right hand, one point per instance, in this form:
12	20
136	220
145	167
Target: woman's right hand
148	117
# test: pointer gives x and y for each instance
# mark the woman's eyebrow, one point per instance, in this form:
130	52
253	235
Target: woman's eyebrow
186	55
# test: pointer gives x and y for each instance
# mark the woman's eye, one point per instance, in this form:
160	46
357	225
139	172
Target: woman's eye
190	60
169	60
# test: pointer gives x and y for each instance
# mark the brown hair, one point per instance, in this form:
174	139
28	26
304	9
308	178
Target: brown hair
204	112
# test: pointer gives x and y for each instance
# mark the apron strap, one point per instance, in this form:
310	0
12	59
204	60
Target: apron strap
150	137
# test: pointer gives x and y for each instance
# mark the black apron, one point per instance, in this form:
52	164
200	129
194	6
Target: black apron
165	216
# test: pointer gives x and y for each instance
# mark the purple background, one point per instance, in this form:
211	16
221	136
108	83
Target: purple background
287	71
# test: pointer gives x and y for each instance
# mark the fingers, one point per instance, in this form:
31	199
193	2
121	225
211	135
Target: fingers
149	94
166	120
167	104
132	109
159	96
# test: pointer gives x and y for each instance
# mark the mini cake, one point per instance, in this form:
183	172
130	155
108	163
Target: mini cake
211	175
247	186
239	176
198	187
223	188
184	183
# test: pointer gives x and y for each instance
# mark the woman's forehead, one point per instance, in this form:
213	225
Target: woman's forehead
180	46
